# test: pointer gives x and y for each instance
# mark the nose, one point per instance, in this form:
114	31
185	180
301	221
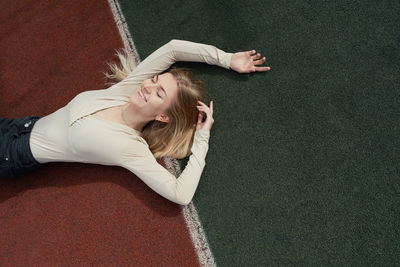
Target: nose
145	91
148	88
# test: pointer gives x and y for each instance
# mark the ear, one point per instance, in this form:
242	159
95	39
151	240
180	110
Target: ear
162	117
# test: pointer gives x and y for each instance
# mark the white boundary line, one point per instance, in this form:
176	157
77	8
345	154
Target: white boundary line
192	219
123	29
193	223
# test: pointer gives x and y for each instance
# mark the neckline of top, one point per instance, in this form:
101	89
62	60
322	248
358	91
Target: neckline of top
116	123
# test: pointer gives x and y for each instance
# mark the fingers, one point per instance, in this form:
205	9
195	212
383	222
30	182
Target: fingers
204	105
251	52
256	56
200	118
259	62
209	121
262	68
208	110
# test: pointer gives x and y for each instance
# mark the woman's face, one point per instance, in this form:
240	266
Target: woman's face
155	96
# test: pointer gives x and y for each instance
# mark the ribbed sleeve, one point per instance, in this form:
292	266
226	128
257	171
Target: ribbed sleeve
197	52
139	160
168	54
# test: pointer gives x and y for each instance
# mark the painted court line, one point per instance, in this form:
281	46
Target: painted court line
190	214
195	228
123	30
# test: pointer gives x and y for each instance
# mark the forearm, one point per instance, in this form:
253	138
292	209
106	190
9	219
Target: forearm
187	182
196	52
174	51
138	158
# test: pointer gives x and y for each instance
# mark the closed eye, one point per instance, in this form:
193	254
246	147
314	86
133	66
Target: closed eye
155	82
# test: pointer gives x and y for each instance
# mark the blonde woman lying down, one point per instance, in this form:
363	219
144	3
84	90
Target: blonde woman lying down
148	114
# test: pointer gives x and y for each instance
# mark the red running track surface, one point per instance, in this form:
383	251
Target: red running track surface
73	213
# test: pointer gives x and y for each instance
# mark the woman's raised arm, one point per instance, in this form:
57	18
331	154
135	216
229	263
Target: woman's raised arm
139	160
174	51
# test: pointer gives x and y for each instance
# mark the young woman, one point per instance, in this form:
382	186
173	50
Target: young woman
151	113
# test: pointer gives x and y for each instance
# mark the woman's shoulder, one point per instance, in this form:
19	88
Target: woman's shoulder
136	144
140	139
135	148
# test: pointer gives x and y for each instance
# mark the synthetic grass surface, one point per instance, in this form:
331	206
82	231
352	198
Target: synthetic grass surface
303	165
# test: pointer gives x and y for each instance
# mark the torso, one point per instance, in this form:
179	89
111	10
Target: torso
111	114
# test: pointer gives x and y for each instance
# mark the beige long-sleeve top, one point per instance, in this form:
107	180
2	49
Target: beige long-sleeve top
73	134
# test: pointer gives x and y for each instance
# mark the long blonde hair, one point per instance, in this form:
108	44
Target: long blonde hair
175	138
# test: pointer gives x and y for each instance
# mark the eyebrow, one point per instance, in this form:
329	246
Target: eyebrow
162	87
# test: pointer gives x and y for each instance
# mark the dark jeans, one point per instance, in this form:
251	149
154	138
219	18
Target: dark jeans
15	153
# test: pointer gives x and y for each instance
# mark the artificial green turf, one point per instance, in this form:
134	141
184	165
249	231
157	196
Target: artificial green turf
303	165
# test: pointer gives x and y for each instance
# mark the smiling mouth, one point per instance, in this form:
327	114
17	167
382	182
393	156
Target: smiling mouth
141	95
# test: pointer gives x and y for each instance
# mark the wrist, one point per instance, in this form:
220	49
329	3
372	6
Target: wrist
229	60
202	133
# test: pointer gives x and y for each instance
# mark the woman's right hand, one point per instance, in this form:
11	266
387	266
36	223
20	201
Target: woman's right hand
246	62
207	124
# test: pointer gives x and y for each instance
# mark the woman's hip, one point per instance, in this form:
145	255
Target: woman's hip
15	153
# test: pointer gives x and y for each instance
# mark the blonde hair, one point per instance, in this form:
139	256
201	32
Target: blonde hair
175	138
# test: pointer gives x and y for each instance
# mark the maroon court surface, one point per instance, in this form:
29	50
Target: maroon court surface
73	213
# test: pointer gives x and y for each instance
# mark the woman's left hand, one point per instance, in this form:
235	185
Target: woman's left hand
207	124
246	62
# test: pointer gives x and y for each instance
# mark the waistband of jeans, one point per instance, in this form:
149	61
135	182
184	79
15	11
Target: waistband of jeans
23	141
